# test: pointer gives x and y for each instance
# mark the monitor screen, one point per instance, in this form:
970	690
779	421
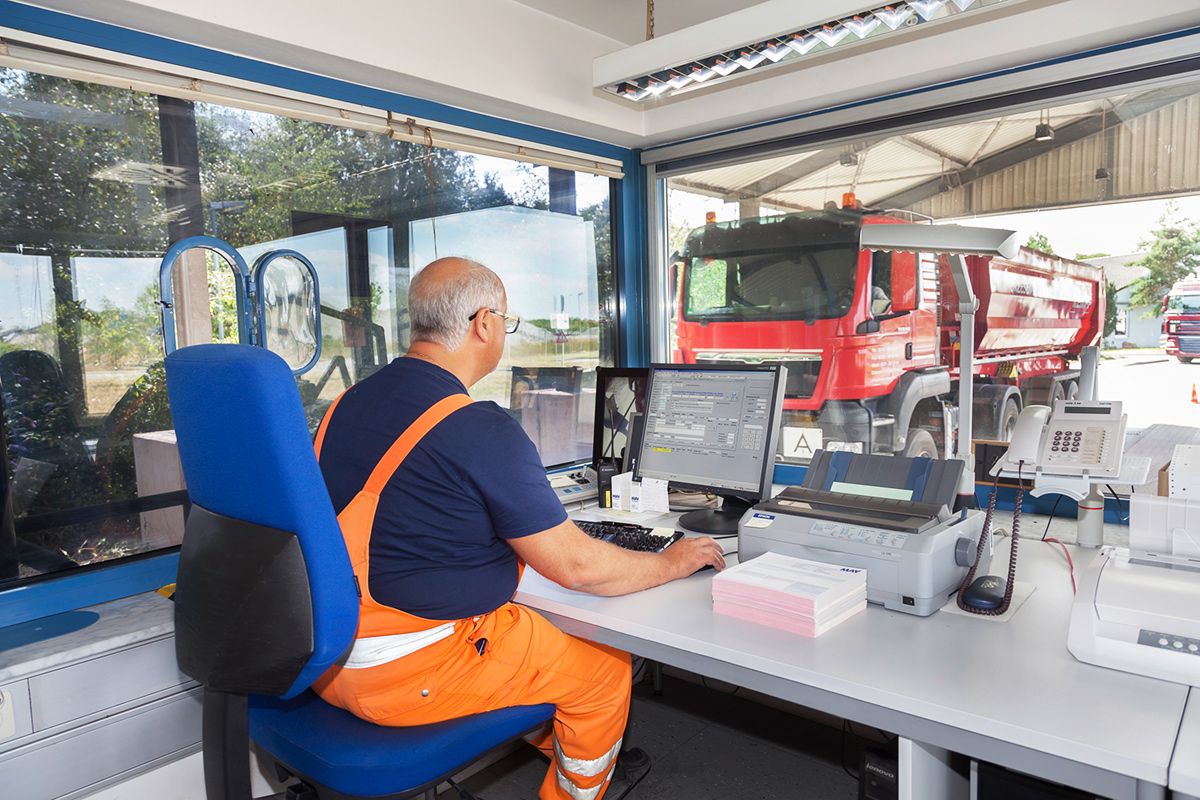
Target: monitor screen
712	427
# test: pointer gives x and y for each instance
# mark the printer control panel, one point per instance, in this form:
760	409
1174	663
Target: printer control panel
1169	641
856	533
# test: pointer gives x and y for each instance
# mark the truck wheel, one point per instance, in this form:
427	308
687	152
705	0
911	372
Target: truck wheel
1072	390
1184	359
1008	419
1059	393
920	443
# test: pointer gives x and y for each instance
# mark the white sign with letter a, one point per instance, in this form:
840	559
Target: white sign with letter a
801	442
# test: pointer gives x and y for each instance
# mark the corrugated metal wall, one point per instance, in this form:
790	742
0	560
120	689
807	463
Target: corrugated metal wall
1149	156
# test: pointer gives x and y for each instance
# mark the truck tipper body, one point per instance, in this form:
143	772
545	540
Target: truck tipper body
871	339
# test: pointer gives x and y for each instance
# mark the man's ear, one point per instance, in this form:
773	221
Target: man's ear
480	326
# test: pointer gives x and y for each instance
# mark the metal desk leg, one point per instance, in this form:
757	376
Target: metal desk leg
1151	791
925	774
656	677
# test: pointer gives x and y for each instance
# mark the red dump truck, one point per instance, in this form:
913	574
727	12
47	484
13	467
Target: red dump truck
1181	320
870	339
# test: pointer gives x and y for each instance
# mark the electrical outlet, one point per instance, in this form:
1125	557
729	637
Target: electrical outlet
8	716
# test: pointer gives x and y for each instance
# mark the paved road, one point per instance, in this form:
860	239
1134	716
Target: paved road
1154	388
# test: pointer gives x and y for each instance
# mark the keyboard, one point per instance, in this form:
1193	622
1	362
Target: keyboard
630	536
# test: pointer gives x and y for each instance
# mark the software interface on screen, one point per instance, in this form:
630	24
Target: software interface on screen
709	427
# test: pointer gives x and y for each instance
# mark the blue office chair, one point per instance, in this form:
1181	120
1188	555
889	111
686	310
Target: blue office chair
266	602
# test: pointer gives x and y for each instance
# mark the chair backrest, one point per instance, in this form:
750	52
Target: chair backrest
265	600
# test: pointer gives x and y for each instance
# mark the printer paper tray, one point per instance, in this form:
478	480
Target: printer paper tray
896	515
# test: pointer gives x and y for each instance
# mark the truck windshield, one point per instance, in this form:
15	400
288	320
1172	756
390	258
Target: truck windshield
799	283
1184	303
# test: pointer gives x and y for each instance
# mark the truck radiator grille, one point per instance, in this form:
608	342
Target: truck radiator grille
802	375
1189	344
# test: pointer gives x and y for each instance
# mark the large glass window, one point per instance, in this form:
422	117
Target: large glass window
99	180
762	264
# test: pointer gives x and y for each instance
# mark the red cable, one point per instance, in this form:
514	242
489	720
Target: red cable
1070	563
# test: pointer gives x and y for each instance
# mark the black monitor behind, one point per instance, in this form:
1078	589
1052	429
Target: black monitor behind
620	395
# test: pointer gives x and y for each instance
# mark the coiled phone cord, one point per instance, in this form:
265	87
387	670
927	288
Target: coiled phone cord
984	536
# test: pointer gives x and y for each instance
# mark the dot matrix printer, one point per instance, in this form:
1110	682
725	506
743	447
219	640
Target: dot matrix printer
886	514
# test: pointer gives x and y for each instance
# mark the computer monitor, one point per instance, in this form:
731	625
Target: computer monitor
620	398
713	428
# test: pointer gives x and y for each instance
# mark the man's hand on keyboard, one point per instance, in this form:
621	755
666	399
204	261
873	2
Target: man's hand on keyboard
694	553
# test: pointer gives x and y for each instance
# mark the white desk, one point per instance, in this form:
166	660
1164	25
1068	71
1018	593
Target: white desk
1185	765
1008	693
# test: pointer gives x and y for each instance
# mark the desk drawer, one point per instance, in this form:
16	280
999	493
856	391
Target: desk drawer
90	686
88	757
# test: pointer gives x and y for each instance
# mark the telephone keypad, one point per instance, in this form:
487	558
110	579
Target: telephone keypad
1084	446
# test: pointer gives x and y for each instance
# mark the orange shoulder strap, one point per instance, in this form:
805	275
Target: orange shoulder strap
400	449
325	424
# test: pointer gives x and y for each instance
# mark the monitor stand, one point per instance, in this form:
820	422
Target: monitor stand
721	521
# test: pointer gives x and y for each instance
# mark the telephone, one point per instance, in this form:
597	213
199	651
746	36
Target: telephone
1079	437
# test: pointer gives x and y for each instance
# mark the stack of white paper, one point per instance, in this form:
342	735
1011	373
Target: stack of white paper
793	594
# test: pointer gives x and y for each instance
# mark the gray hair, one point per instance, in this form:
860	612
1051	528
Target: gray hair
438	309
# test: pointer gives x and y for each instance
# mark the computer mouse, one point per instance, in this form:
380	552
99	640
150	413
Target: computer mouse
986	592
705	568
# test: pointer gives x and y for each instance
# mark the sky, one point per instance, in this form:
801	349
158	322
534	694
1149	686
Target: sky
1116	229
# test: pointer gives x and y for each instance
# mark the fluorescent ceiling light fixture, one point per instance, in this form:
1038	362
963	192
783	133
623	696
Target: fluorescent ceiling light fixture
750	58
678	81
927	8
862	26
895	16
802	43
656	87
725	66
765	36
832	34
776	51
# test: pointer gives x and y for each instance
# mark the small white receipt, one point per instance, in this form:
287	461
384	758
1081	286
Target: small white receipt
654	495
622	491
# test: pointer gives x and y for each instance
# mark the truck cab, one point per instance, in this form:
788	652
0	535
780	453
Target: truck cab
796	289
1181	320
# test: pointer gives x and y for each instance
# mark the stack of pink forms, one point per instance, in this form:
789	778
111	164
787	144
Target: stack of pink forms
793	594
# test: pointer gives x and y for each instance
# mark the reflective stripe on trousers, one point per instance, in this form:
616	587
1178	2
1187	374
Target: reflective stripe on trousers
578	793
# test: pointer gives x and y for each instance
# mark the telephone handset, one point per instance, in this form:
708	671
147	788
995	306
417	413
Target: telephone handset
1025	443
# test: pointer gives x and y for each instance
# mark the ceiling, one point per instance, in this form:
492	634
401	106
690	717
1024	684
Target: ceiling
625	20
879	171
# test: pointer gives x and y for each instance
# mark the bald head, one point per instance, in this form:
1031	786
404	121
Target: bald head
447	292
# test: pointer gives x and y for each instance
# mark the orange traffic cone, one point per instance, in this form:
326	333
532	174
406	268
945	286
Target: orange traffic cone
1195	399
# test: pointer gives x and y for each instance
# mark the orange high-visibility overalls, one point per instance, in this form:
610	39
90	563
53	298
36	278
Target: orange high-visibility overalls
508	657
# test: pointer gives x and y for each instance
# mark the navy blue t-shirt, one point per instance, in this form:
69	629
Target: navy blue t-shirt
438	546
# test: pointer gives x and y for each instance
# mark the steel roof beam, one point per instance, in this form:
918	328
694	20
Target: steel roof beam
1133	107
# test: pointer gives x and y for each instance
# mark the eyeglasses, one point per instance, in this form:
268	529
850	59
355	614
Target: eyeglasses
511	321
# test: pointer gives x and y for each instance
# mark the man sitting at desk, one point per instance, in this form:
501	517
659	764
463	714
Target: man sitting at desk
441	500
